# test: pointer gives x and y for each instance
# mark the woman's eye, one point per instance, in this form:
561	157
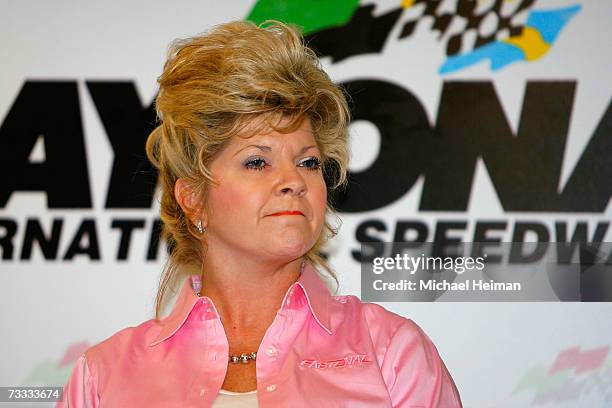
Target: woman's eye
255	164
311	163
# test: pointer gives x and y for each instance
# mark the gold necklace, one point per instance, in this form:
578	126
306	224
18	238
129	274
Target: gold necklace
244	358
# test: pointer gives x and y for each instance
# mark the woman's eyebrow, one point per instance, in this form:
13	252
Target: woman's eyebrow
305	148
269	149
260	147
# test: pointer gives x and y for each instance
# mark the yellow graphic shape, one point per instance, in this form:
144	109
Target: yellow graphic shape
530	42
407	3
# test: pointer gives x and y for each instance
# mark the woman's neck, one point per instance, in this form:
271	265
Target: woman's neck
247	294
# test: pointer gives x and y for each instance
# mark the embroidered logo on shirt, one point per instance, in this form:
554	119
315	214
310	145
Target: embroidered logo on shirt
356	360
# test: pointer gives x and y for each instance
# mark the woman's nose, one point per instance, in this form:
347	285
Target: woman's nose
292	182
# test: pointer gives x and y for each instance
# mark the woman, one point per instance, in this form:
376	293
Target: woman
252	135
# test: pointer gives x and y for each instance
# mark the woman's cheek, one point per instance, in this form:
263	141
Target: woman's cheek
226	198
321	198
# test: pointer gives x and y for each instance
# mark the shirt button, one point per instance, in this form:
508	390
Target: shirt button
271	351
202	392
271	387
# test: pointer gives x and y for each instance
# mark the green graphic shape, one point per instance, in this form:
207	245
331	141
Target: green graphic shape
310	15
539	378
47	373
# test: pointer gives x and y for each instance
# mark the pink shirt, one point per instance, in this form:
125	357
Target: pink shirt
320	351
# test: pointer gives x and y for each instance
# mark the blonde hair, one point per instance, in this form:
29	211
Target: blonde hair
212	87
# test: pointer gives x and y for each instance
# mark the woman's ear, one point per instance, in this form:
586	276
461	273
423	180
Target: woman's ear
190	201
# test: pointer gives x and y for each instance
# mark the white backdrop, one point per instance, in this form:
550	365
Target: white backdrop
53	308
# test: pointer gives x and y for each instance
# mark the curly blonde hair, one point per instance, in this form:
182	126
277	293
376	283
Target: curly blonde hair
212	88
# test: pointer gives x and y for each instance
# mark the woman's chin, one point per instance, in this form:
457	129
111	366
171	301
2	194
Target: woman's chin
291	252
291	246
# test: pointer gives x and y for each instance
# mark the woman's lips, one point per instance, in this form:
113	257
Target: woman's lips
287	213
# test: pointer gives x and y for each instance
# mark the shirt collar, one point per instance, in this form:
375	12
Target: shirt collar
309	289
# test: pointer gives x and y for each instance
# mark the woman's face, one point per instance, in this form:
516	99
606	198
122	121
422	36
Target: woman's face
270	200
